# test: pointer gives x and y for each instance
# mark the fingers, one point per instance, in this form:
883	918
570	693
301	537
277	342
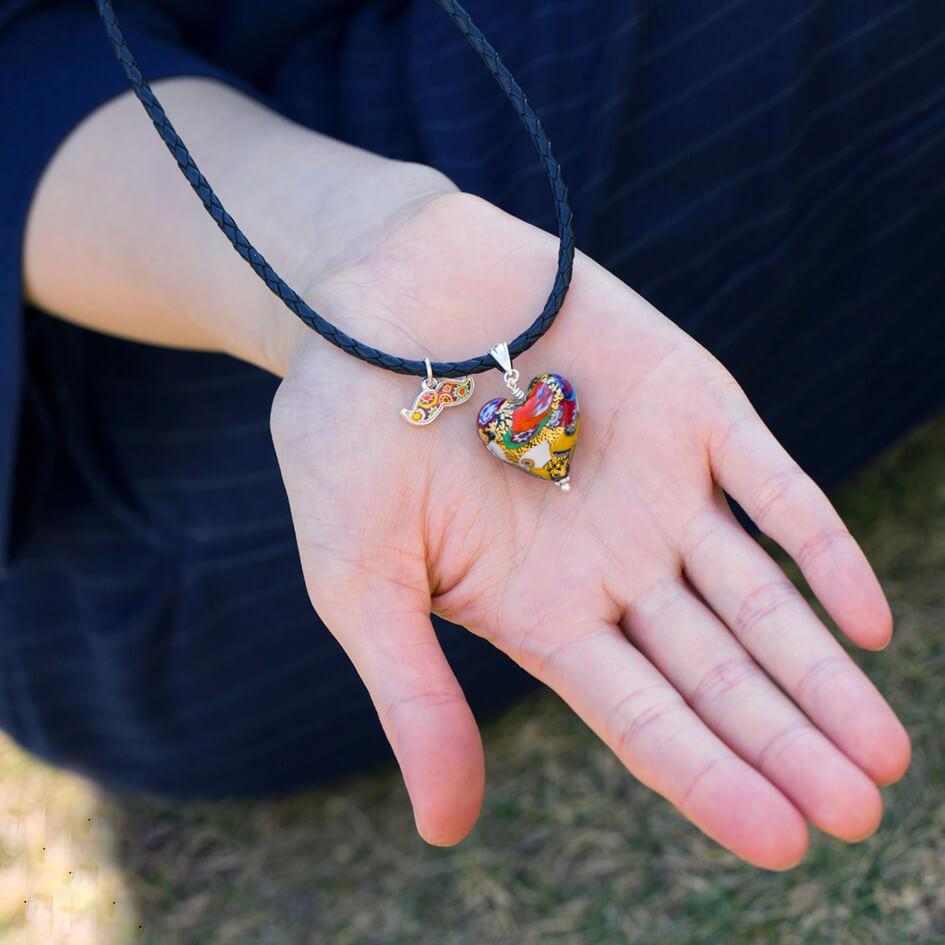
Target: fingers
735	698
788	506
422	710
662	741
774	623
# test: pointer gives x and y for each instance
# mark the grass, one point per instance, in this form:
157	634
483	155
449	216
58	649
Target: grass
569	847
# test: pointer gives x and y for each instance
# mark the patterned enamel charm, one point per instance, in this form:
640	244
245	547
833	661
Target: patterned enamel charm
535	432
434	397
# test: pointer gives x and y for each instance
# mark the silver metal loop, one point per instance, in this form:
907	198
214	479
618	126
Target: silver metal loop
500	353
429	383
511	381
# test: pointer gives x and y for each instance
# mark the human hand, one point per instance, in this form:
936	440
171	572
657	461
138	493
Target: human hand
636	596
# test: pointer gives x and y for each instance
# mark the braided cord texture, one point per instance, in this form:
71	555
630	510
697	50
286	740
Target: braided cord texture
293	301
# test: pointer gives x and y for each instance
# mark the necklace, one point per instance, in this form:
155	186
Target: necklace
536	429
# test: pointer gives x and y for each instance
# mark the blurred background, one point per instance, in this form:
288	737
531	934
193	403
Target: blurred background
569	847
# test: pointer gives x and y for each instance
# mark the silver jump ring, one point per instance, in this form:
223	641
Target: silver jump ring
430	381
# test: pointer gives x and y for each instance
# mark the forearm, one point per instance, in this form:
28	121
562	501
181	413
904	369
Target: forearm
117	241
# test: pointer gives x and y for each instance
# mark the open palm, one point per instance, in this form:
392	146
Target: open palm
636	596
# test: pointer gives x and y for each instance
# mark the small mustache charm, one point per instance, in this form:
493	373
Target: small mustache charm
435	395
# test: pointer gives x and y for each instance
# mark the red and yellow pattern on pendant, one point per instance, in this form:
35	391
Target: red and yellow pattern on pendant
536	434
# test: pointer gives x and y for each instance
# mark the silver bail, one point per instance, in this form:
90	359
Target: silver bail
430	381
500	353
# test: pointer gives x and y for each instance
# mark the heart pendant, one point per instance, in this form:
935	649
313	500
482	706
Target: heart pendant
535	432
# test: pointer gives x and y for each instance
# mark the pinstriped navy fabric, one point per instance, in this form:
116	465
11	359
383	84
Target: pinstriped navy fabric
768	174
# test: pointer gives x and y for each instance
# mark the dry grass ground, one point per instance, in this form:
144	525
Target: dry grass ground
569	848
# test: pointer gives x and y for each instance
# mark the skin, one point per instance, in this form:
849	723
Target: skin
636	596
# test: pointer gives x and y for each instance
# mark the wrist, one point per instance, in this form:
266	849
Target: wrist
131	252
310	233
307	202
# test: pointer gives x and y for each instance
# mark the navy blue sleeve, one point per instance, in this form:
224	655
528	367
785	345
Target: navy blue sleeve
56	67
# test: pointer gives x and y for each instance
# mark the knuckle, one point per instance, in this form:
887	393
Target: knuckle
825	670
425	699
664	593
772	493
814	548
656	602
780	741
763	603
721	679
551	657
547	659
698	778
656	715
698	530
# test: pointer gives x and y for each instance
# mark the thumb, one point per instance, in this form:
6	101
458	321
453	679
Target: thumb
421	707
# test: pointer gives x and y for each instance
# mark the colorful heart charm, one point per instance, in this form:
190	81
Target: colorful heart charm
536	434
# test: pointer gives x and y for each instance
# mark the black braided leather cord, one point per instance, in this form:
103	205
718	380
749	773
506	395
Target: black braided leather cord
288	295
